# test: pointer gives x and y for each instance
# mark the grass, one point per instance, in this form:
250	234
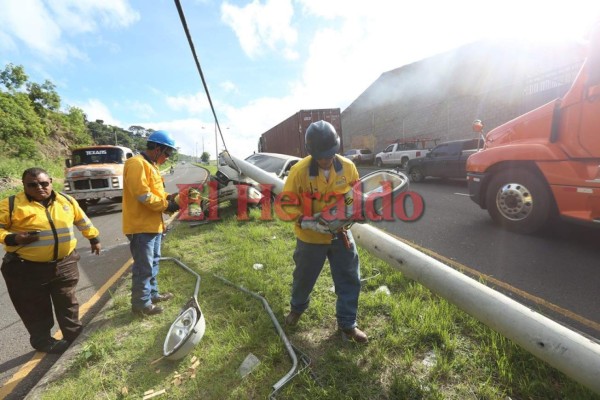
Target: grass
421	346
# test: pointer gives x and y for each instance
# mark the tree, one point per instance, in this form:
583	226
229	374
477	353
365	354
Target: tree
43	97
138	130
13	77
20	127
205	156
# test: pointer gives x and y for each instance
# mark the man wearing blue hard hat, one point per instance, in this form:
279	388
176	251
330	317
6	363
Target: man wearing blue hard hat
144	201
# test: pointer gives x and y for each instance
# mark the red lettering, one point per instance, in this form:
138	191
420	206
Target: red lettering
266	213
242	202
418	206
286	199
338	207
213	201
384	204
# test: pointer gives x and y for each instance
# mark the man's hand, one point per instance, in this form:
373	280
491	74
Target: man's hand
96	247
314	225
172	207
172	196
27	237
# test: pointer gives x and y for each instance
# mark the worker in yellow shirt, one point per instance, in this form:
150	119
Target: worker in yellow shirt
317	181
144	202
40	266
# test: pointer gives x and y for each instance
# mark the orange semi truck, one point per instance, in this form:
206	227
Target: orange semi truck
546	162
96	172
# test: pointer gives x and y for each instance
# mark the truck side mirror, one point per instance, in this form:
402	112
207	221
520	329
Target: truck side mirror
68	163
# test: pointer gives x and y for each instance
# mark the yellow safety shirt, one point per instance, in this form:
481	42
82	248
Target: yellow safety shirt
308	182
57	239
144	196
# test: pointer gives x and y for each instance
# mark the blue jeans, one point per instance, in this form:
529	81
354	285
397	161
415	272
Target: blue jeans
145	250
345	271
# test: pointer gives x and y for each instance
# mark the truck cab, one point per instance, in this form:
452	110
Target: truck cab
96	172
545	162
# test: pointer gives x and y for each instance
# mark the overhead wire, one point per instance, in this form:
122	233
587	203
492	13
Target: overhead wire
199	68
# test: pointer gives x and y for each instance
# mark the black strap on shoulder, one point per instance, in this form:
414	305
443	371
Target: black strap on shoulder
67	197
11	207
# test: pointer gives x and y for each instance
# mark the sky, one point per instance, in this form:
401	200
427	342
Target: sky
128	62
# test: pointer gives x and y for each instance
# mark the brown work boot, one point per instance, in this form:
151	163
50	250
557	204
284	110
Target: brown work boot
148	310
163	297
292	318
354	335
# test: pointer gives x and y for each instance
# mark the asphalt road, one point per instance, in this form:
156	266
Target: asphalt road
554	272
95	271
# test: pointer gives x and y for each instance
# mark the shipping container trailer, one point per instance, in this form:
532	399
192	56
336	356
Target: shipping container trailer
287	137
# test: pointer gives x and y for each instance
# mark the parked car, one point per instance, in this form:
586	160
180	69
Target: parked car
275	163
446	160
360	156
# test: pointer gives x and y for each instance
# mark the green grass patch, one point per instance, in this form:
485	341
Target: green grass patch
421	346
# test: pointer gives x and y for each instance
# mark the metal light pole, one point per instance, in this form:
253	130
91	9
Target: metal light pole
216	145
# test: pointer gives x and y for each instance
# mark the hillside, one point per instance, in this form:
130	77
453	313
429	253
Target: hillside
36	131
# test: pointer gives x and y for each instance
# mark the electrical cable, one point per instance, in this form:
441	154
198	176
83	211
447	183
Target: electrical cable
199	68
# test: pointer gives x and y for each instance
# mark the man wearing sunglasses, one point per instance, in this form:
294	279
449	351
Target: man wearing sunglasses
144	201
41	264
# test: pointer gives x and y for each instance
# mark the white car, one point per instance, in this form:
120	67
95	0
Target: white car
277	164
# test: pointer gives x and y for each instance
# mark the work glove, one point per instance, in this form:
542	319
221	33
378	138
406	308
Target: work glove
314	225
172	196
172	207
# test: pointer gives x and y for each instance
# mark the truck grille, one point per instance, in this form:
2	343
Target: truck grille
87	184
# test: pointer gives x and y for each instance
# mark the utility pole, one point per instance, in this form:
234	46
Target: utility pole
216	145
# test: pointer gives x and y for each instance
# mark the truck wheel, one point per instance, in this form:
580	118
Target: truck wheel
519	201
416	175
378	163
83	204
404	163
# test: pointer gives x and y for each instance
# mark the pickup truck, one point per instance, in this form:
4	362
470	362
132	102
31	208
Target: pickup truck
398	154
446	160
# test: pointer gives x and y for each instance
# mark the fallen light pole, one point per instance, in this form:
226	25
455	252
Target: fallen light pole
570	352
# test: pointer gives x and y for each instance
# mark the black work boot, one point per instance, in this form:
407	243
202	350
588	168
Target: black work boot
52	346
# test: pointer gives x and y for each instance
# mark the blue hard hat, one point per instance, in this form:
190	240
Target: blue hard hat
163	138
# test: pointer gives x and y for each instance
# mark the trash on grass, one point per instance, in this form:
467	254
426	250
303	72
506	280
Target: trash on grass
248	365
384	289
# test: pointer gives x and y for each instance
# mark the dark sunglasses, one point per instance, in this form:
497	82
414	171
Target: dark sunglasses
34	185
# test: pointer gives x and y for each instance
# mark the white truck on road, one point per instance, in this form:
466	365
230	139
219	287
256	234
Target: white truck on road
398	154
96	172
